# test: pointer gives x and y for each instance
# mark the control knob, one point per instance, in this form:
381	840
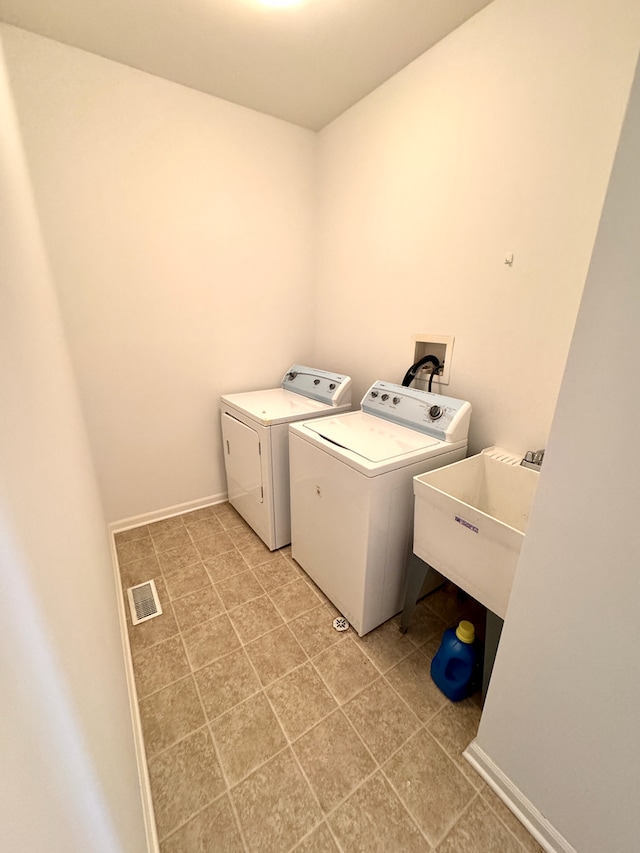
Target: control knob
316	381
396	400
332	385
374	394
384	397
435	412
291	375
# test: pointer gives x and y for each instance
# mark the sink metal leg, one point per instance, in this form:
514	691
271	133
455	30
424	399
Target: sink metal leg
417	571
494	629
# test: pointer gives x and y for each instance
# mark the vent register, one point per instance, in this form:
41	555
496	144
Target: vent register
144	603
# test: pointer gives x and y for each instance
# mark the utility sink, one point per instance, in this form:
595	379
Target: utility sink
470	521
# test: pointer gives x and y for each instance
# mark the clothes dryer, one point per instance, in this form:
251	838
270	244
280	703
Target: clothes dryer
256	444
352	493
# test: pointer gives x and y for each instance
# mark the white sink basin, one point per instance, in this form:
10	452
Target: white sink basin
470	522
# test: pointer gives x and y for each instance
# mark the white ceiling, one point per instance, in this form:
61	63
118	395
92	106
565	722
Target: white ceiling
306	64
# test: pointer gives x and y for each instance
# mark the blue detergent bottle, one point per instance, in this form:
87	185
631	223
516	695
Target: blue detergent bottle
453	664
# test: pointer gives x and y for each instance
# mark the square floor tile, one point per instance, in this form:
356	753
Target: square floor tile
238	589
170	539
374	819
247	736
176	559
212	546
300	700
184	778
424	625
209	641
185	580
528	842
214	828
161	627
129	535
255	618
275	654
244	537
226	682
275	806
255	554
411	678
334	759
197	607
294	599
140	571
477	831
345	669
320	841
159	666
448	602
228	516
159	528
170	715
315	632
385	645
209	526
275	573
134	549
224	565
430	785
195	515
454	727
381	718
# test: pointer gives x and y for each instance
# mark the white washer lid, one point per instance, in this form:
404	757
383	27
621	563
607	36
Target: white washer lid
276	405
371	437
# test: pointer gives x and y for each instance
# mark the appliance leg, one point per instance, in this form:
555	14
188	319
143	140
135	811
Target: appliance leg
494	629
417	571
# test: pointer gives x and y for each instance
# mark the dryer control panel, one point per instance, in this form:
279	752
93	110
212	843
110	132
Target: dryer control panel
445	418
334	389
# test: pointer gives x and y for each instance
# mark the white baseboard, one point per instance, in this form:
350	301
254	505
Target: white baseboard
168	512
544	832
141	758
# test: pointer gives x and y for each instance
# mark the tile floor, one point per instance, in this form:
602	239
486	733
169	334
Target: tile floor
267	730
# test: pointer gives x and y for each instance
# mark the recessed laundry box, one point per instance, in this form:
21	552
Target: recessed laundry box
470	522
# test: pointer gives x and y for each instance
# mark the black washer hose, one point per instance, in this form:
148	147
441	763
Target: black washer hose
410	375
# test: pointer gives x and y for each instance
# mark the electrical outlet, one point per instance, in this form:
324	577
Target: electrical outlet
439	345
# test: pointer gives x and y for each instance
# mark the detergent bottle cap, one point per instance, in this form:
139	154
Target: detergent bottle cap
465	632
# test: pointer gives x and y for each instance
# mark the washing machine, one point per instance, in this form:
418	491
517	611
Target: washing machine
255	436
352	493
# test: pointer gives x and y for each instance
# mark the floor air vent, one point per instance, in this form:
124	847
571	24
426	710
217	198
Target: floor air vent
143	602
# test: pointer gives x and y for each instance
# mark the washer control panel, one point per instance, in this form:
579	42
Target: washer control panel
442	417
334	389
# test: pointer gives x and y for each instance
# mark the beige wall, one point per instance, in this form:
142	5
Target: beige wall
189	260
499	139
180	231
68	776
561	717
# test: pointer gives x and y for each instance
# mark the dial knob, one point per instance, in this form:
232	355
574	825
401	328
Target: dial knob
316	381
435	412
396	400
291	375
332	385
384	397
374	394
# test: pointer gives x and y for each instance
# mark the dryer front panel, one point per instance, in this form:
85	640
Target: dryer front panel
242	456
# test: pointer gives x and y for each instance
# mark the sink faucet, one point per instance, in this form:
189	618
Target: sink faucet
533	459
